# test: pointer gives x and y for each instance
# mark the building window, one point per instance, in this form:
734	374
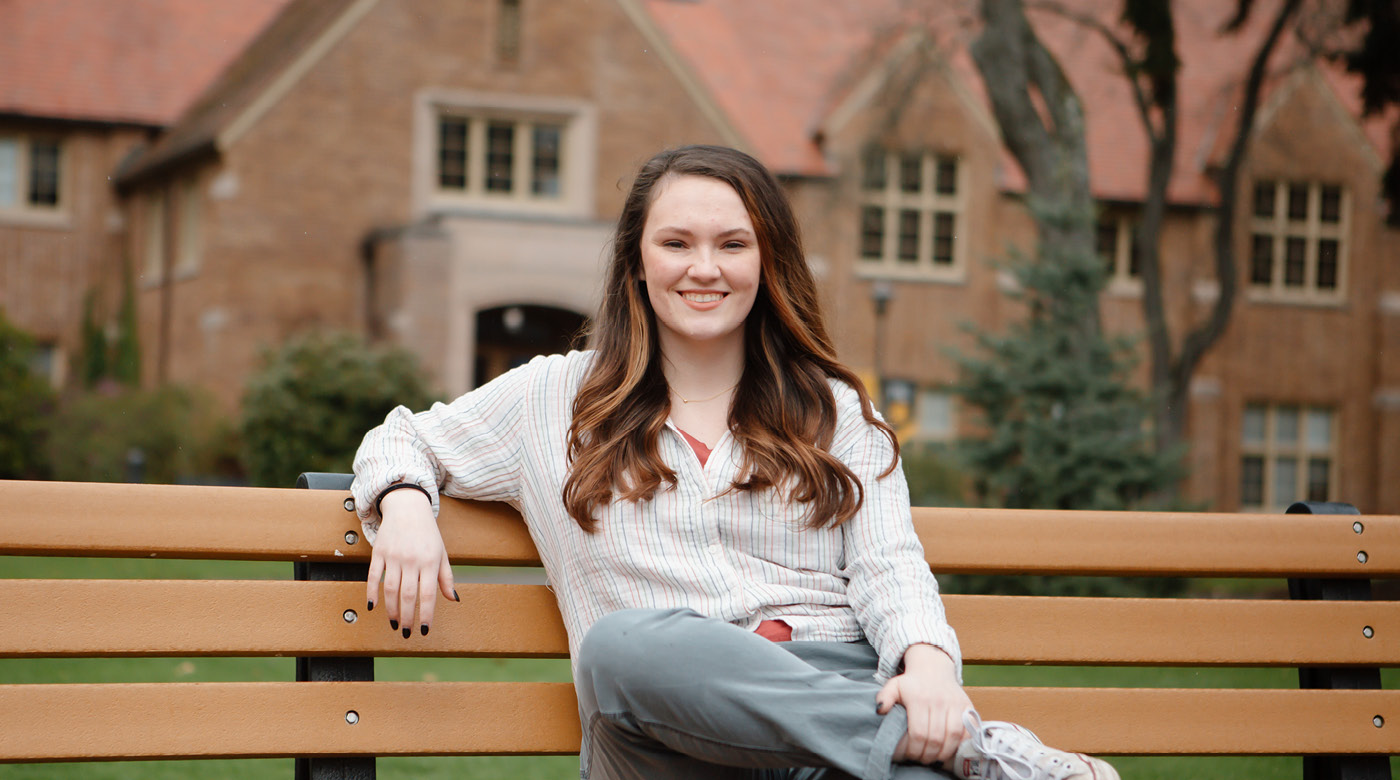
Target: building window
934	415
30	173
1297	242
910	214
917	413
1288	454
47	361
495	158
1116	243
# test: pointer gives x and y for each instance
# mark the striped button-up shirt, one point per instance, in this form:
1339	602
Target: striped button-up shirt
740	556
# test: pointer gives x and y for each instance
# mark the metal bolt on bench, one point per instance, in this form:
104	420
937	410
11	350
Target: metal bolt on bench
334	669
1362	678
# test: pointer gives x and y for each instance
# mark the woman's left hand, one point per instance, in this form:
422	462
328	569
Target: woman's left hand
934	701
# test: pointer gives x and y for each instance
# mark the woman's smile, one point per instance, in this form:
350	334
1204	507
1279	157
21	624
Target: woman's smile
700	261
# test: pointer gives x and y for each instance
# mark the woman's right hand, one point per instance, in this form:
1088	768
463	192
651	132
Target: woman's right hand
410	560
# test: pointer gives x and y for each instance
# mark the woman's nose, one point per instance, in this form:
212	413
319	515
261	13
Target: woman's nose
705	267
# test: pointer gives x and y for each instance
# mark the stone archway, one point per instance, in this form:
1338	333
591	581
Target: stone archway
509	336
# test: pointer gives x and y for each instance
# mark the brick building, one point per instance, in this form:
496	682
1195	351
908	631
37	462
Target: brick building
445	176
82	83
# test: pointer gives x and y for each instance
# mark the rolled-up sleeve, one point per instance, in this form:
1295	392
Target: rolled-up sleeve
470	448
890	586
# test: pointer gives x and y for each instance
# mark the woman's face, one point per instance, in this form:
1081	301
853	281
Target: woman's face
700	261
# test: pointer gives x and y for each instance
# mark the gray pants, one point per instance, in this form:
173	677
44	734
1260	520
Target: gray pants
670	694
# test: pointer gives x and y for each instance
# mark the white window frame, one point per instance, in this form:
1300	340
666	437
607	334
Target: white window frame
21	209
577	154
1312	230
927	394
1270	450
1121	279
927	202
50	362
154	233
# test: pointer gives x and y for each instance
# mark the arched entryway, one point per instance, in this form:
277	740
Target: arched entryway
509	336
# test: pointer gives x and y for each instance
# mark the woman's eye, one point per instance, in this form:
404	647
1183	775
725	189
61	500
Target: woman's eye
672	244
734	245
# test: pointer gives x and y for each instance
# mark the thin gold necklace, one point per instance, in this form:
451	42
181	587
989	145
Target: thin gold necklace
685	400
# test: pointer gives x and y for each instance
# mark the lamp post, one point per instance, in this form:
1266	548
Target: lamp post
881	293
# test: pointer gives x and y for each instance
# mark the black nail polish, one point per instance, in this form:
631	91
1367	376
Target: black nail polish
424	627
370	608
455	596
394	624
407	632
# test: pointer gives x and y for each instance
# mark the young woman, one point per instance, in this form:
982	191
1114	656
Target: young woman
719	510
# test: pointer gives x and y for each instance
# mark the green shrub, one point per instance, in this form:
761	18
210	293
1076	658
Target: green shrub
315	399
26	403
933	475
177	432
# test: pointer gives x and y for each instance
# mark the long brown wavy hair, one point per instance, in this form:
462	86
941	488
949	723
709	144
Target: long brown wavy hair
783	415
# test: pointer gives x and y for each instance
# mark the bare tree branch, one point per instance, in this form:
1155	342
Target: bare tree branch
1194	347
1131	65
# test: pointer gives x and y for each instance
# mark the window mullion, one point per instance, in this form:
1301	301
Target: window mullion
476	155
928	202
889	246
1280	235
524	150
1270	455
24	164
1313	236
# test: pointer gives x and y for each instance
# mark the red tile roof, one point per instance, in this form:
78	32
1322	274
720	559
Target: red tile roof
128	61
237	86
777	66
772	66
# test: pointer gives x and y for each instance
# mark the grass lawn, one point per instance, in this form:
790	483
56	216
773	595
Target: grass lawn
501	768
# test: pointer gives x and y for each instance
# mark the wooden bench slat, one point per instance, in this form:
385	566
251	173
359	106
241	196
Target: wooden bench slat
192	720
186	521
1174	721
234	618
1174	632
1157	543
278	617
55	518
247	720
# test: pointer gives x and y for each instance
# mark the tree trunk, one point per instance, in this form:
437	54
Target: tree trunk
1049	145
1174	394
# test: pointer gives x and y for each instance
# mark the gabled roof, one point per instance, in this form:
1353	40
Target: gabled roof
126	62
778	66
239	86
774	65
778	69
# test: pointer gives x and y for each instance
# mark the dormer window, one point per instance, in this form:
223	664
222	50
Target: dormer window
911	213
1297	249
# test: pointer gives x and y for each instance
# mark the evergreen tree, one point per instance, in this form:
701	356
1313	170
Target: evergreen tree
1063	428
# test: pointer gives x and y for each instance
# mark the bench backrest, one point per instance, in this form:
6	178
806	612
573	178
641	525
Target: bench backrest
103	618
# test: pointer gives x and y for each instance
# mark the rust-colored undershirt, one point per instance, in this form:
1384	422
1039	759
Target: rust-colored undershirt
772	630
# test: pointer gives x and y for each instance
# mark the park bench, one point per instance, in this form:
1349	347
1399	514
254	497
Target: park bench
336	719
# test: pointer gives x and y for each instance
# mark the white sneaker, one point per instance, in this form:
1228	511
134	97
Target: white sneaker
1004	751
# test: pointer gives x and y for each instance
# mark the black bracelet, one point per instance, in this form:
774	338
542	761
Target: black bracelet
398	486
